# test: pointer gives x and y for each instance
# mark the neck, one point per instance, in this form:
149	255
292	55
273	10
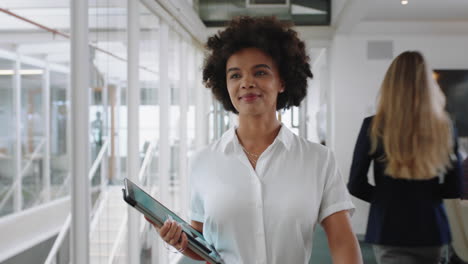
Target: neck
257	133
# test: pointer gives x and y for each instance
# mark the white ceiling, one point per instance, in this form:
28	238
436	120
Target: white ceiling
417	10
393	11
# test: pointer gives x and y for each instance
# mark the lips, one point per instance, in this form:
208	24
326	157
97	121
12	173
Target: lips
249	97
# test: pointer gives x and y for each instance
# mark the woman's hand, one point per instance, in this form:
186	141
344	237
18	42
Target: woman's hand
171	233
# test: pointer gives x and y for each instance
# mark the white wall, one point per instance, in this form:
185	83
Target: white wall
31	227
355	82
316	93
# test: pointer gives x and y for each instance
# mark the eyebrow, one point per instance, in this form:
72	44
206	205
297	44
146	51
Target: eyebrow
255	67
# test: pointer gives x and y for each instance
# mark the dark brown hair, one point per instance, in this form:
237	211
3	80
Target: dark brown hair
273	37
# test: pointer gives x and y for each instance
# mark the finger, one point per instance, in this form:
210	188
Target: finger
165	229
177	235
184	243
171	234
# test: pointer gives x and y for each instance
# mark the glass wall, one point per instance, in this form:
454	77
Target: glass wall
7	136
60	159
149	89
34	81
107	128
35	117
175	81
149	113
32	133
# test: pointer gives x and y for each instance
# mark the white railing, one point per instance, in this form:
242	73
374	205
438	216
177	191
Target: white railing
23	172
146	161
51	258
141	178
98	160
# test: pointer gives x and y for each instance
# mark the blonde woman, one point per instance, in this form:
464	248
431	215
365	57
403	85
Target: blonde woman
416	164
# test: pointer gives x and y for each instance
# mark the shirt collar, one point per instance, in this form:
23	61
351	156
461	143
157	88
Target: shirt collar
285	136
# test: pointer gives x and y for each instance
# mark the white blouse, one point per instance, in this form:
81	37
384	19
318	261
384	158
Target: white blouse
267	215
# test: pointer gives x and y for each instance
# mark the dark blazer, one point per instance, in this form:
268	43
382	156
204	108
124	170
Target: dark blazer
403	212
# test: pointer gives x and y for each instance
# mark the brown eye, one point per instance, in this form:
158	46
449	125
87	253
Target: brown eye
260	73
234	76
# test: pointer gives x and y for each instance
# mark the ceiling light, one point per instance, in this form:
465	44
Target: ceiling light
404	2
22	72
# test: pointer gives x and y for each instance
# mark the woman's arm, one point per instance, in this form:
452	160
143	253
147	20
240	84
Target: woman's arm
358	184
453	184
343	243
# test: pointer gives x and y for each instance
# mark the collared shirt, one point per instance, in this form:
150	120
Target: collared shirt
266	215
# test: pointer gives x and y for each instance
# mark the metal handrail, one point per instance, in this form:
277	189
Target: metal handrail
141	177
98	159
102	200
64	184
25	169
146	160
58	242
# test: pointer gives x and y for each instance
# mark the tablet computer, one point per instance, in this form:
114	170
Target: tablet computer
158	213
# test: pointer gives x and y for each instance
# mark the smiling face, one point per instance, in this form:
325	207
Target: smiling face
253	82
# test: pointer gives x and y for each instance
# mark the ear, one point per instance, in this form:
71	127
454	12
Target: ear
282	87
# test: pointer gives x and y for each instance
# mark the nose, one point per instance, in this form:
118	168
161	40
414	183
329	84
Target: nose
247	83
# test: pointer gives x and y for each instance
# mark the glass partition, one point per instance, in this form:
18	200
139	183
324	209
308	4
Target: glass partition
107	124
174	114
7	136
149	117
59	125
32	134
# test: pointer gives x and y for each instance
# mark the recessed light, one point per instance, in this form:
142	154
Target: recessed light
404	2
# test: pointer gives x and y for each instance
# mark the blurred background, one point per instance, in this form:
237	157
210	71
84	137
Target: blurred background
155	77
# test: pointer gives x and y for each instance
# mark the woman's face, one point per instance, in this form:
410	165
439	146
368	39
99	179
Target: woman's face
253	82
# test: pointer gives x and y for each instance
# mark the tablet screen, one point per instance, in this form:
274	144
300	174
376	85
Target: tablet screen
161	213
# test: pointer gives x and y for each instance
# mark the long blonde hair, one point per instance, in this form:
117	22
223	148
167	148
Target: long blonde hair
411	121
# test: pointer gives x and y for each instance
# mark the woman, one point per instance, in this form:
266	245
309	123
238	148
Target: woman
414	154
259	190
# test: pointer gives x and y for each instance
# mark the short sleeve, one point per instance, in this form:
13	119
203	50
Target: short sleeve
335	195
197	211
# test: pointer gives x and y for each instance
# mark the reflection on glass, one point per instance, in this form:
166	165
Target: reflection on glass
32	135
149	85
7	138
59	151
108	75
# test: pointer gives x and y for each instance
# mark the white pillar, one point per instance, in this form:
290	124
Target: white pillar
164	112
133	103
69	142
80	129
105	134
185	54
18	196
329	86
118	166
202	107
46	112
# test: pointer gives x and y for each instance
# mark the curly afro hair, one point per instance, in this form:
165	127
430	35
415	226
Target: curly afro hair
273	37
